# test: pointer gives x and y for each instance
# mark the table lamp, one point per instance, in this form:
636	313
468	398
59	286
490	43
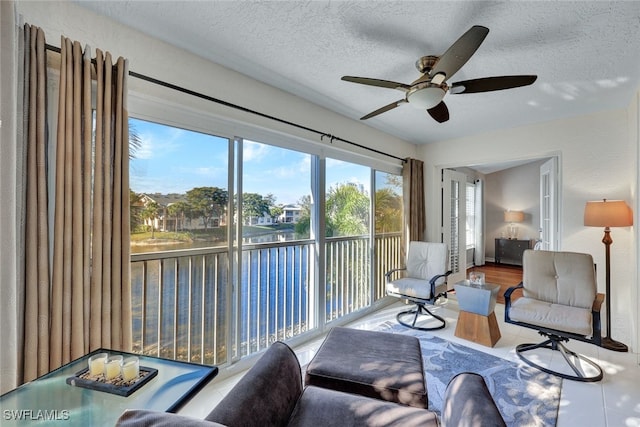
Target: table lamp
608	213
513	217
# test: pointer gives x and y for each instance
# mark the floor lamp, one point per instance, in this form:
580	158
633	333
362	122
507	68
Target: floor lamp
608	213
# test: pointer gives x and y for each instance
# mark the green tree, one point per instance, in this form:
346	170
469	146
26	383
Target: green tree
253	205
347	210
136	205
270	199
150	212
303	225
388	211
179	211
276	211
207	202
135	142
394	181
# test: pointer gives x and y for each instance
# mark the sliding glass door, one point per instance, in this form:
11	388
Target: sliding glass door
347	229
237	243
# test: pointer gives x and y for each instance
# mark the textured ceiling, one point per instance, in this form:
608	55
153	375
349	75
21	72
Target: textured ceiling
586	54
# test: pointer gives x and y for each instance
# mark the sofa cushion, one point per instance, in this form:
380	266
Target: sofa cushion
369	363
145	418
322	407
266	394
468	403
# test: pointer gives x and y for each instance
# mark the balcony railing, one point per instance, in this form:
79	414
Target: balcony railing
348	280
275	293
179	302
184	307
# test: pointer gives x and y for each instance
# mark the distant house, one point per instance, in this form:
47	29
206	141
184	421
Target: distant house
290	214
265	219
162	222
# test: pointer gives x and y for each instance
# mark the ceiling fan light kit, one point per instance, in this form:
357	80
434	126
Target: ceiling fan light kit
425	95
428	91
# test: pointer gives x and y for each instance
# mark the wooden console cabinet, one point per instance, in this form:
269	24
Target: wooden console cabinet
509	251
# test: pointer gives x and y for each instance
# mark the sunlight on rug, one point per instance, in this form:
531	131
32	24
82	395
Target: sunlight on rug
524	395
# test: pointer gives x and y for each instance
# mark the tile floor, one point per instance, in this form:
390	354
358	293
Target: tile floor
612	402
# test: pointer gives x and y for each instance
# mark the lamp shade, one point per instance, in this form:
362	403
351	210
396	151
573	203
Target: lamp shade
608	213
513	216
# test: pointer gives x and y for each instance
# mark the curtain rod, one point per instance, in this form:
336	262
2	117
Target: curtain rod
244	109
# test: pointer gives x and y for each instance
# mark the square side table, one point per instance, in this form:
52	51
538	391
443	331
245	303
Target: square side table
477	321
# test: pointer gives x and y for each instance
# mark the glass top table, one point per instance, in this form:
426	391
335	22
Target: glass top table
49	400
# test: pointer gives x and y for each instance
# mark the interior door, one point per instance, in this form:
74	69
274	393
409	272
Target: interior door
549	205
454	217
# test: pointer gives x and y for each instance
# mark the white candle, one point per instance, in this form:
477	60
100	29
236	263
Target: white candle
112	367
96	364
130	369
96	367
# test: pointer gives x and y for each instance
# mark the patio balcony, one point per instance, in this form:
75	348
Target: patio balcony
216	305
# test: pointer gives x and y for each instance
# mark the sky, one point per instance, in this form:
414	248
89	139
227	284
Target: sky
173	160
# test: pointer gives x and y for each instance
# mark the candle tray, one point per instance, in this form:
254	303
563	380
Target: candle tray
115	386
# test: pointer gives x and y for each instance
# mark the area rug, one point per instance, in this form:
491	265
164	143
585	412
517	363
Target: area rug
524	395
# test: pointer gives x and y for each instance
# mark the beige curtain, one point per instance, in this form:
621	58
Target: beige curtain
413	196
88	302
37	296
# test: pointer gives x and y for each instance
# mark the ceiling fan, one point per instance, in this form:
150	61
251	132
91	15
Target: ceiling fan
430	88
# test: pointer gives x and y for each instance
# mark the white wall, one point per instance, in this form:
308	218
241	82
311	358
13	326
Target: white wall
597	159
634	142
517	189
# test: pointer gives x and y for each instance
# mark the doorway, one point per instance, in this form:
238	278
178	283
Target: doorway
528	185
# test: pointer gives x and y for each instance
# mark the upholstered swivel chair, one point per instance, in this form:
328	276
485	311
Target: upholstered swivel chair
424	282
560	301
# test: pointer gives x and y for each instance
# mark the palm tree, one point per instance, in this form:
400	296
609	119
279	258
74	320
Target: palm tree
178	210
135	143
136	204
150	212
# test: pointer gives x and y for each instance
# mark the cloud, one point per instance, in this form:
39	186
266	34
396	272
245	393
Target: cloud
156	144
298	169
148	184
254	151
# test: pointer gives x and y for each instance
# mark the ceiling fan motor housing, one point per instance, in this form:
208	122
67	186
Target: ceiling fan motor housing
426	63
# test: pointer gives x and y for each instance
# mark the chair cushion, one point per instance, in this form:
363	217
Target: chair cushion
426	259
553	316
369	363
566	278
323	407
410	287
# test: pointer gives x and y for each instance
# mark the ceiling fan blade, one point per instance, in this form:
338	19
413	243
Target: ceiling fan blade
440	112
383	109
459	52
488	84
377	82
